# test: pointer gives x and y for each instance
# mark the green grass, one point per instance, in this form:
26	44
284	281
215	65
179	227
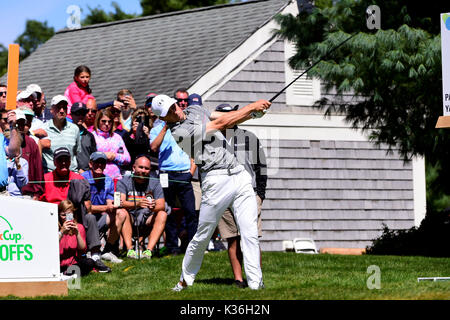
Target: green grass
287	276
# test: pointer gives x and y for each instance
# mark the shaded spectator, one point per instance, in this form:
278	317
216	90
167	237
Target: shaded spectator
72	241
60	133
8	147
87	140
102	196
31	153
57	186
142	196
17	166
182	97
79	90
3	91
111	144
148	103
137	139
125	97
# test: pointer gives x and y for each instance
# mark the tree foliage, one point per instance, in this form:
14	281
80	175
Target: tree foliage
99	15
150	7
35	34
393	74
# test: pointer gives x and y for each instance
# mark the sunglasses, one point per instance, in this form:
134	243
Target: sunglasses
92	111
106	121
79	113
3	93
185	100
5	118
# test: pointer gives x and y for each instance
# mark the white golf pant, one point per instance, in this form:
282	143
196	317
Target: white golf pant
221	190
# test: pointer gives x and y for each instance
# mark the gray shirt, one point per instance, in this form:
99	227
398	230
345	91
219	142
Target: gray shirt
210	151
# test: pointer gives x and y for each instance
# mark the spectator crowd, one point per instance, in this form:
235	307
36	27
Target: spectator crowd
120	180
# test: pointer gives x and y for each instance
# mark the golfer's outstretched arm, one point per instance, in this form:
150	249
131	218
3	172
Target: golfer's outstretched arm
229	119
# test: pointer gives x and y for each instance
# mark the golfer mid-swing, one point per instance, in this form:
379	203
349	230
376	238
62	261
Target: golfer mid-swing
225	183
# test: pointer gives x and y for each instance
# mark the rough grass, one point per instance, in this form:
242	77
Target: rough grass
287	276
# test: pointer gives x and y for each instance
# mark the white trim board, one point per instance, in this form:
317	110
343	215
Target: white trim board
239	58
303	127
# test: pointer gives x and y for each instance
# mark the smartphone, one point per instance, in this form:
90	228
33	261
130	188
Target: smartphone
69	217
116	199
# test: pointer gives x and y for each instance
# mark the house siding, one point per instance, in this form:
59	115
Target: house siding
339	193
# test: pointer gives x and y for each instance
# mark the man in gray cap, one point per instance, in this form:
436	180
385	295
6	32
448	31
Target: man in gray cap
225	183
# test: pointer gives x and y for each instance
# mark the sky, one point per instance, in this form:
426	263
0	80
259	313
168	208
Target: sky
14	14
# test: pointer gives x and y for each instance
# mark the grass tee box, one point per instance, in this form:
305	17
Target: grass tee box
287	276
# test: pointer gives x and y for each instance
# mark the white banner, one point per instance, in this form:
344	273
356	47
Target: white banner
29	246
445	52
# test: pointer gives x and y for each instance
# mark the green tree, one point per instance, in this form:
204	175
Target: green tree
99	15
150	7
35	34
3	59
394	74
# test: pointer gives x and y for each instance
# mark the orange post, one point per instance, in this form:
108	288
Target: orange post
13	76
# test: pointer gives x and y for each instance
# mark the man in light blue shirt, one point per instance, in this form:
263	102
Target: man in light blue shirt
177	165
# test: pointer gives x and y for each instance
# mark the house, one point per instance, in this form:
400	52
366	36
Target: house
326	181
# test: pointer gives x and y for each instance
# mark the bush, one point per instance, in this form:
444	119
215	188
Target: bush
431	239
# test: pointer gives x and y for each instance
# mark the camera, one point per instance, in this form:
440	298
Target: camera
69	217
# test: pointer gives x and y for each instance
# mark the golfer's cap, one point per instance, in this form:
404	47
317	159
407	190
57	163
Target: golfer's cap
19	114
61	151
58	98
95	156
149	99
27	111
225	107
34	88
161	104
195	99
22	95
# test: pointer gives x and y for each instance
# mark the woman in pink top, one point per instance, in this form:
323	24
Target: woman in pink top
72	241
111	144
78	90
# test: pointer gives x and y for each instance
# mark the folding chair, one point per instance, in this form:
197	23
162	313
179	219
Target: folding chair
305	245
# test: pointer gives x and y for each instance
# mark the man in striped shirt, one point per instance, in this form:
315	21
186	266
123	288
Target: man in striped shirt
60	133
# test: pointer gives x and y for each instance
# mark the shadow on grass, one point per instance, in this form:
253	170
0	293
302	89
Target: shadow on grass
227	281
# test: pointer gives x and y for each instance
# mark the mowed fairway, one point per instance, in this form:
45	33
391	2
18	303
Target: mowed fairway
287	276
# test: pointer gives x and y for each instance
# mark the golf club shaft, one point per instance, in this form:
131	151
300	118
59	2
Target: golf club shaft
314	64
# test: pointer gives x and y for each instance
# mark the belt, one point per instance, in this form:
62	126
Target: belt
181	171
228	172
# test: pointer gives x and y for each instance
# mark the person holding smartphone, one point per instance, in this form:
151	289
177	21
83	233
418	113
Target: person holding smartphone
72	241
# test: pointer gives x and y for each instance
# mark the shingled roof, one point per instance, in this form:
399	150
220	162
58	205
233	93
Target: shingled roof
157	53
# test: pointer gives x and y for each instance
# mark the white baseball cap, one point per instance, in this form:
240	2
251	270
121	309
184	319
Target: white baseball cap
19	115
57	99
161	105
34	88
23	95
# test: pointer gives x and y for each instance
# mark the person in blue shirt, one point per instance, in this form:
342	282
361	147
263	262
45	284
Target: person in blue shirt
179	168
102	199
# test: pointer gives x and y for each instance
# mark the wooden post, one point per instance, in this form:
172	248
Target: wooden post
13	76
